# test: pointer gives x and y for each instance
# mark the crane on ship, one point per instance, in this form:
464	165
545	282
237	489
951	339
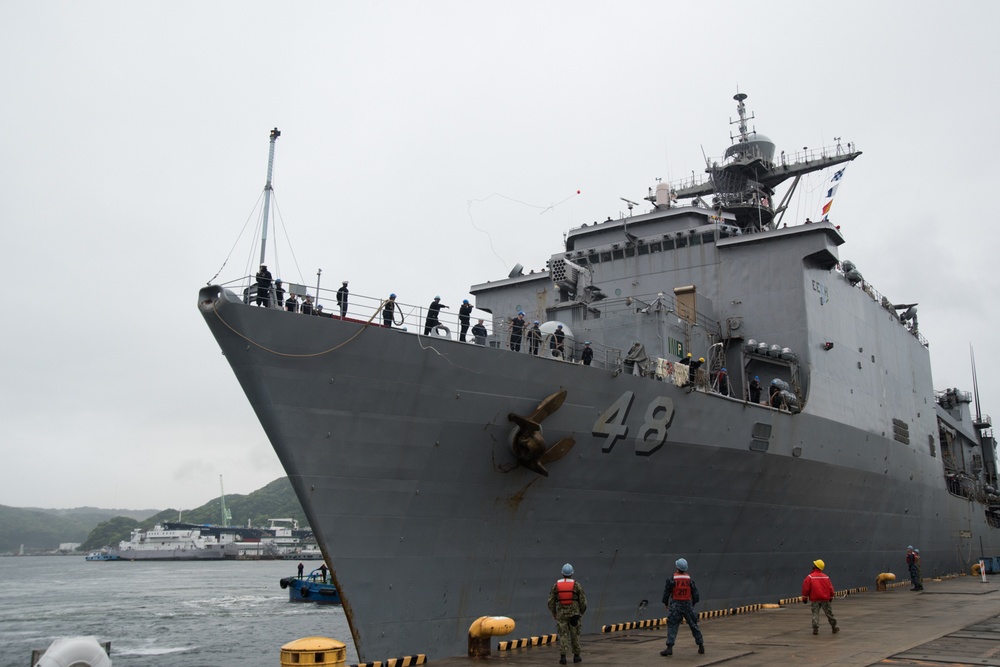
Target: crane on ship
227	516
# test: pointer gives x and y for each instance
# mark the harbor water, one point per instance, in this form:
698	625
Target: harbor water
159	614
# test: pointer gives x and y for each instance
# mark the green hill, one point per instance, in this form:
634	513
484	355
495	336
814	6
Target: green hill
46	529
274	501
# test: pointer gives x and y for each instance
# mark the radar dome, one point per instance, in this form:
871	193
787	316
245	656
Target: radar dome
758	146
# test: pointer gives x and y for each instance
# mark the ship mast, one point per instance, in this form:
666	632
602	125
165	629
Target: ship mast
744	182
275	133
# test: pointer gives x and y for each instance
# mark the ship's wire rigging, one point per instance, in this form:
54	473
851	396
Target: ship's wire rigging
237	241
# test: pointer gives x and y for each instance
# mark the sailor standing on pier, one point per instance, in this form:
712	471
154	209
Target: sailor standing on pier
680	595
568	604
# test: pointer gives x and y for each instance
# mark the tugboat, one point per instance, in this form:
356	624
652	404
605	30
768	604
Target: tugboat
312	588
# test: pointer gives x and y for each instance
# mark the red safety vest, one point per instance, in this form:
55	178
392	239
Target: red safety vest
682	588
565	590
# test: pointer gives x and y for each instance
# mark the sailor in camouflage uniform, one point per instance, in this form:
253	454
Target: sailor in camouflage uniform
568	605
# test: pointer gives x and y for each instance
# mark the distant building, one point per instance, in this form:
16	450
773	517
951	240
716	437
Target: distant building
69	546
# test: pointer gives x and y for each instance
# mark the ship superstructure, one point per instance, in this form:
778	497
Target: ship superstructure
446	480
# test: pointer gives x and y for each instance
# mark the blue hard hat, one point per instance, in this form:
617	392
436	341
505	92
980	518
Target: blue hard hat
465	301
392	296
723	370
756	377
437	298
587	343
520	312
682	565
536	321
567	570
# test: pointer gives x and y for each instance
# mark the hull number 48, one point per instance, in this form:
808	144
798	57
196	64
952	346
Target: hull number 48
613	424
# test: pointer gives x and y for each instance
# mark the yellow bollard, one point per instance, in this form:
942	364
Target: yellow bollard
882	581
482	629
313	651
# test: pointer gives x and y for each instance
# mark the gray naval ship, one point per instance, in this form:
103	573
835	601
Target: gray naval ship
446	480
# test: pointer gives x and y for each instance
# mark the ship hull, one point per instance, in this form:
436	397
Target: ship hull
398	447
216	553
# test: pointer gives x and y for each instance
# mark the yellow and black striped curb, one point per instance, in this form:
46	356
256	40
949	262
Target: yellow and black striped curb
527	641
618	627
405	661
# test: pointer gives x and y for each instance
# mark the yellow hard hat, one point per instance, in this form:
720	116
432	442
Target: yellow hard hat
701	359
819	563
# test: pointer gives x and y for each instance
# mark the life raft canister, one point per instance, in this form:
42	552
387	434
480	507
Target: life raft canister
682	588
565	589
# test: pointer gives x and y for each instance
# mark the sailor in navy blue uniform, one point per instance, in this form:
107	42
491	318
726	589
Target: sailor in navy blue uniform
680	596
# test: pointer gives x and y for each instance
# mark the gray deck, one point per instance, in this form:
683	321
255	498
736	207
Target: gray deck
952	622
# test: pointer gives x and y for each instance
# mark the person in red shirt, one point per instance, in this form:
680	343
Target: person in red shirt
818	589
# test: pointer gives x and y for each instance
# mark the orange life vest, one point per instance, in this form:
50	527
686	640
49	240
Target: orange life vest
682	588
565	590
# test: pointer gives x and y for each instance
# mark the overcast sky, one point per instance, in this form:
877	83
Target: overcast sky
420	144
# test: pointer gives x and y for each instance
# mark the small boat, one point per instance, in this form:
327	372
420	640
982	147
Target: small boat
101	554
312	588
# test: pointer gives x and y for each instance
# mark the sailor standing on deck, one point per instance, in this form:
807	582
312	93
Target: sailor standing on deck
342	295
723	379
755	390
557	344
516	331
279	294
388	310
480	333
680	595
568	604
534	336
433	312
263	286
464	313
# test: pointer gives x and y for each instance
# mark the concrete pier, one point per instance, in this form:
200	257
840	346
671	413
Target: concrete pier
951	622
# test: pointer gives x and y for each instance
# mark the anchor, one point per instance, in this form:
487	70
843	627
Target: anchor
527	441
